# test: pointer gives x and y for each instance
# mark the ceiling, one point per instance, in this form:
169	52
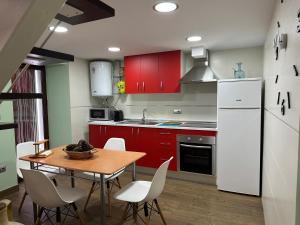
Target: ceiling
137	28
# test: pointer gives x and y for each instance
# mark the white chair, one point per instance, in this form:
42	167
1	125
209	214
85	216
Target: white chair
46	195
27	148
144	193
113	144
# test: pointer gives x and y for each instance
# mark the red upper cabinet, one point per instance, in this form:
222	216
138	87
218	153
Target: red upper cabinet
169	71
149	74
132	73
153	73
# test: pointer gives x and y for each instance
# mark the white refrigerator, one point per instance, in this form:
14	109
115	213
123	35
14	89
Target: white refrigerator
239	135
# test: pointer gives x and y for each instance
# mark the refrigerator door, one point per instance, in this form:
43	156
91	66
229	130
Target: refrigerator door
238	150
239	94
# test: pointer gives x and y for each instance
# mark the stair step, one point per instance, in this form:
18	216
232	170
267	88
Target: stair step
5	126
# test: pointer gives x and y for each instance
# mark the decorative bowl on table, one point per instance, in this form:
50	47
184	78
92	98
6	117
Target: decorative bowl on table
82	150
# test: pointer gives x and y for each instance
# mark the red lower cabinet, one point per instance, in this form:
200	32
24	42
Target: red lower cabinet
159	144
165	147
99	134
94	135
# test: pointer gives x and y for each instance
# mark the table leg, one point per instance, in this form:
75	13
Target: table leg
102	199
72	179
133	171
34	206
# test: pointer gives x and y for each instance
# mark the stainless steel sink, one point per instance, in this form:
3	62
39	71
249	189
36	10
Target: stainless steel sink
139	122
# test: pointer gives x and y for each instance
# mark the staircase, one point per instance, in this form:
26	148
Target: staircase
22	31
26	32
24	21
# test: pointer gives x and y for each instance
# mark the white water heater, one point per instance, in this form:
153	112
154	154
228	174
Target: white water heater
101	78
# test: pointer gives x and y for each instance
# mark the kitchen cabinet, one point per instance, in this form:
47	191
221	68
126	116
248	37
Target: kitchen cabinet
158	143
166	147
153	73
94	135
99	134
132	73
149	78
169	71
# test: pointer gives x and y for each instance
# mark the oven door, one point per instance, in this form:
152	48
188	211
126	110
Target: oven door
196	158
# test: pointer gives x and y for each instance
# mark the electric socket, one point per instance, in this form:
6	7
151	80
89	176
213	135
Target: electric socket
2	168
177	111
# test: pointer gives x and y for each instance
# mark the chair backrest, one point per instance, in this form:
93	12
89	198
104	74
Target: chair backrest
41	189
158	181
115	144
25	148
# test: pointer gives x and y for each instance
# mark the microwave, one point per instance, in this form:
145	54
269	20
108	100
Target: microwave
100	114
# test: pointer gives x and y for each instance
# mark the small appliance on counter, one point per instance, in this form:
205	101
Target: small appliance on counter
104	114
100	114
117	115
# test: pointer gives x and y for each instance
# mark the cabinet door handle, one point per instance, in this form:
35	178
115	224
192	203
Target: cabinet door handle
143	86
105	129
165	143
137	86
161	85
196	146
131	131
138	131
164	133
100	129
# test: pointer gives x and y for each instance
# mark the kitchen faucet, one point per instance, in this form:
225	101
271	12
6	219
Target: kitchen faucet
144	116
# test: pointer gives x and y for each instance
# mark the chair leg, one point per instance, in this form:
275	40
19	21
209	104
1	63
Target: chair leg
125	214
118	181
89	196
54	181
146	212
108	198
160	212
38	219
135	211
77	213
58	216
22	201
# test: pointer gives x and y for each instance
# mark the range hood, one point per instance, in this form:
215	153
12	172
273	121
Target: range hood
200	72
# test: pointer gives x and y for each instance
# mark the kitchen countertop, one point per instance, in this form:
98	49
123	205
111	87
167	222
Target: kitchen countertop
197	125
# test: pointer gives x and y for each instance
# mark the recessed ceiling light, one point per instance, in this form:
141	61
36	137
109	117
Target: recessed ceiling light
165	7
59	29
194	38
114	49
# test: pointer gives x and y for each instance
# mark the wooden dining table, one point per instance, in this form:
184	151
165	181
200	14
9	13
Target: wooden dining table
103	162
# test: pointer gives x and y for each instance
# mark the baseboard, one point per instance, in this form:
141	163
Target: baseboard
193	177
9	191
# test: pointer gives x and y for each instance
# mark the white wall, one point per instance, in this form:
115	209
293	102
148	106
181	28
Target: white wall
281	133
8	179
80	98
223	62
197	101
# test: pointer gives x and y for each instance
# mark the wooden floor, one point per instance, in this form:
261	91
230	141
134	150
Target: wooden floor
183	203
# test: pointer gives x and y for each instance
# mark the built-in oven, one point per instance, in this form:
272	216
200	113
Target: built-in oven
196	154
